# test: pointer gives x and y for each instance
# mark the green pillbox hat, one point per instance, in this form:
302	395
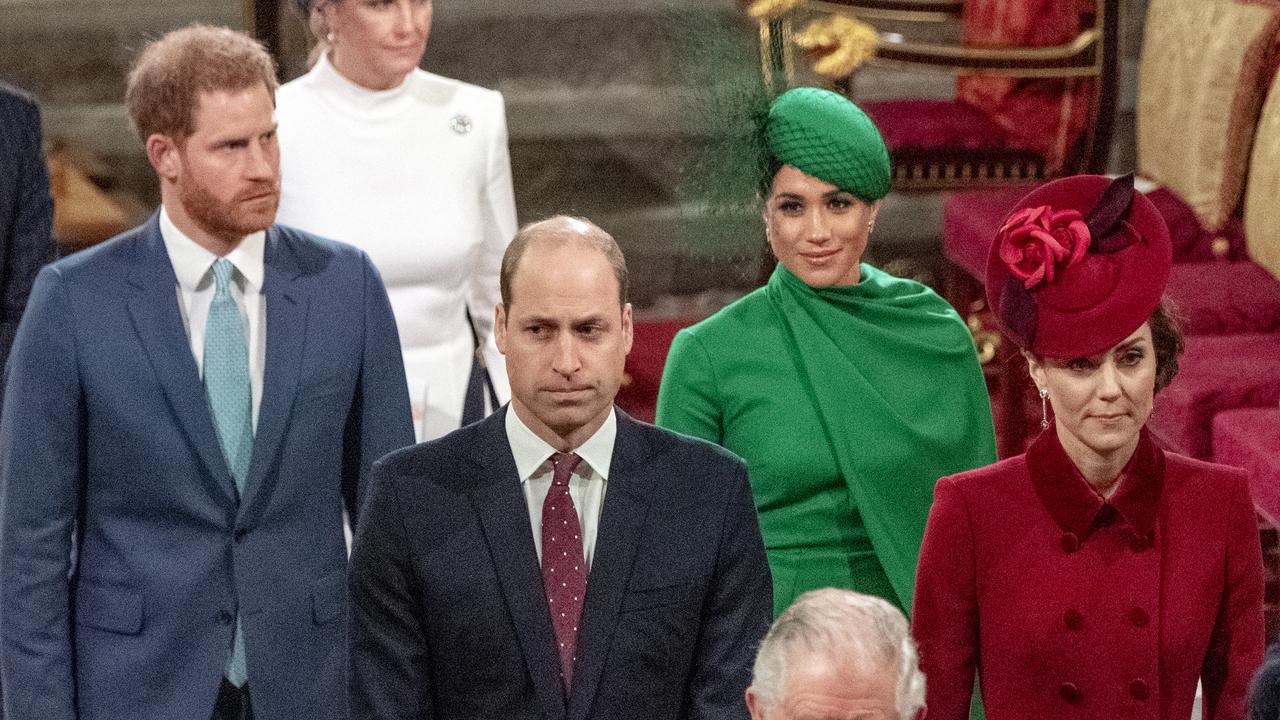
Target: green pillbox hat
823	134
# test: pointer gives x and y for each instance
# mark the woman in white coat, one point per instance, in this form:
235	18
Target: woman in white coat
414	169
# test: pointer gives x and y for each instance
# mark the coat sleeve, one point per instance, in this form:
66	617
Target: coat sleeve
1236	645
389	677
688	397
41	487
735	615
945	612
498	229
28	242
380	420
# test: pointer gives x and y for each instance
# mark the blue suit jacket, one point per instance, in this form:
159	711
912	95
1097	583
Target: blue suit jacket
26	210
449	619
107	438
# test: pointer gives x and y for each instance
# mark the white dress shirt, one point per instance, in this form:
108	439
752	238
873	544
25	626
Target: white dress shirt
586	486
193	267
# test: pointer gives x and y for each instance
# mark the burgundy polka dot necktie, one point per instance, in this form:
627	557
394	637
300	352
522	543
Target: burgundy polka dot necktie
564	573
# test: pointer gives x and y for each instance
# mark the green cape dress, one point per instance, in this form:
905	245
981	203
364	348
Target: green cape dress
847	403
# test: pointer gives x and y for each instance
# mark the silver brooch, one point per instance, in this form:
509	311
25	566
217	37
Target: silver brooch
461	124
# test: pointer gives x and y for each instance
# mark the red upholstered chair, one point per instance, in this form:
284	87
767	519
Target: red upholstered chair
652	339
1250	438
1035	87
1237	371
1216	373
1206	67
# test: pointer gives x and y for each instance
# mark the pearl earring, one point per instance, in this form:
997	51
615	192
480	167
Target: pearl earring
1044	409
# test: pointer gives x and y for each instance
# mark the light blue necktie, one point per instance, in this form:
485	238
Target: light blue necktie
226	385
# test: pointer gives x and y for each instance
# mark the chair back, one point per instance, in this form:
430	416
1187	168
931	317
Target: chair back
1205	68
1262	195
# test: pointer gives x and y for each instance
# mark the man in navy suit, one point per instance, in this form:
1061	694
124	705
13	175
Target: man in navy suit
558	559
26	210
189	406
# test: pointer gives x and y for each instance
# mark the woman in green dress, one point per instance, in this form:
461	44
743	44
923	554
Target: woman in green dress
848	391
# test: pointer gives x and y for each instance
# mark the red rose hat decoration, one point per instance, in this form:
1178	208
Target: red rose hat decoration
1039	242
1078	265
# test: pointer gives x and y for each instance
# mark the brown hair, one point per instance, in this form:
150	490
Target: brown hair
170	73
1166	339
563	228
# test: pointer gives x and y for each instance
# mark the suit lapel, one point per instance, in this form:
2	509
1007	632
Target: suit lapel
156	318
626	505
287	304
504	516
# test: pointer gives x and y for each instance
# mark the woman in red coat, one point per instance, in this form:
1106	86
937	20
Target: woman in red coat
1096	576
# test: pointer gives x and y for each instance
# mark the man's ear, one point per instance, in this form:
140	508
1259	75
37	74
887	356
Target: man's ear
162	152
628	327
754	705
500	327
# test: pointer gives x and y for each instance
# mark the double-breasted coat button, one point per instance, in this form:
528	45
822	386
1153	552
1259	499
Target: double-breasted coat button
1139	617
1073	619
1138	689
1070	692
1070	543
1140	543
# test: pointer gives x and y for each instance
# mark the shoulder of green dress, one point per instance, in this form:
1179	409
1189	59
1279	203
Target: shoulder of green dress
733	320
910	293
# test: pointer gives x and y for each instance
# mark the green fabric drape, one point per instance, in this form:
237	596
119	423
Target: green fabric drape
901	398
848	404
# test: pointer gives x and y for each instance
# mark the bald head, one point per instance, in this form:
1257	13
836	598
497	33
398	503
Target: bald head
558	231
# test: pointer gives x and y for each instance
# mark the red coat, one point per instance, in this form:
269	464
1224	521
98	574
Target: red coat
1075	607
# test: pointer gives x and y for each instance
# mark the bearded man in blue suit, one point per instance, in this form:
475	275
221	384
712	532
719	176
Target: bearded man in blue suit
189	408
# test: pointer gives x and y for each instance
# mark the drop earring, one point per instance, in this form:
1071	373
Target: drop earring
1044	409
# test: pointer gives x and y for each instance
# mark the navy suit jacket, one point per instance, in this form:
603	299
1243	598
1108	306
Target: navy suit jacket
107	438
26	210
449	619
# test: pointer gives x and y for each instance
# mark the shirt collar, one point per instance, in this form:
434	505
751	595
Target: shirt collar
191	262
1076	507
531	451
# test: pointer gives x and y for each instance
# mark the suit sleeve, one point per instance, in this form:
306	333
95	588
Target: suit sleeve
1236	645
735	615
28	245
945	613
389	676
688	397
41	440
380	420
498	229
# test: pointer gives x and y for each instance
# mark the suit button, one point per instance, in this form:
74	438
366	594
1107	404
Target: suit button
1070	543
1073	619
239	535
226	617
1139	617
1139	689
1070	693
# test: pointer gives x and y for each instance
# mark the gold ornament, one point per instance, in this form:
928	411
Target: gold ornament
837	45
765	10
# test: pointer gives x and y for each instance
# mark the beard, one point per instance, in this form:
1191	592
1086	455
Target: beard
230	219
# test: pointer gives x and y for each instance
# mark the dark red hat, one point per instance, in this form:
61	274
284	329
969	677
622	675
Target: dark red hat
1078	265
